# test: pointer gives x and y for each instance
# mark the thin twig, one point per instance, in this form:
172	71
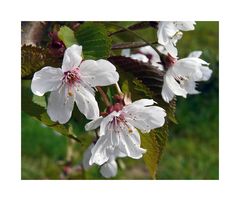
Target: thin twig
130	45
69	154
104	96
119	89
139	25
140	37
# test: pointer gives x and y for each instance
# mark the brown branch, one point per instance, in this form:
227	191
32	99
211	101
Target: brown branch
137	26
130	45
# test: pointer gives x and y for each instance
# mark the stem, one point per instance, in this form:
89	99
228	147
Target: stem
119	89
140	37
130	45
69	154
104	96
139	25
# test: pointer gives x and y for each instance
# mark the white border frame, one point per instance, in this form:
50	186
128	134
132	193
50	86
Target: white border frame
13	12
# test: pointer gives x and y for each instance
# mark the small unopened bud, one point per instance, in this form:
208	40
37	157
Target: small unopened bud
116	107
56	47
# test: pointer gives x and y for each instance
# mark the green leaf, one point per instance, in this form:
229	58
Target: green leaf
39	100
154	142
94	39
67	36
35	58
125	86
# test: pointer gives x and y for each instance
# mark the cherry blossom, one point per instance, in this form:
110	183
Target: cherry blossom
170	32
107	169
73	82
118	130
146	55
181	76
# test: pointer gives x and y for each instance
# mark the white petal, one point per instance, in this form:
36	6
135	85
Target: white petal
105	122
139	57
206	73
166	30
93	124
167	93
159	66
171	49
146	118
47	79
162	36
149	50
162	49
188	67
173	85
101	151
98	73
130	143
117	152
141	103
86	102
185	25
189	86
60	105
109	169
114	134
126	52
72	57
196	54
155	59
86	157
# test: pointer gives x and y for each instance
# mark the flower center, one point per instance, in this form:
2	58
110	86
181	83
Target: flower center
119	121
169	61
72	77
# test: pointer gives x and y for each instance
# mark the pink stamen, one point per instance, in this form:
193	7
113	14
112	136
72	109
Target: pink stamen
72	77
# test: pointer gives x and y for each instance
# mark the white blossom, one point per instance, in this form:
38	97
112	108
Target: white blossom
73	82
107	169
170	32
118	130
181	76
146	55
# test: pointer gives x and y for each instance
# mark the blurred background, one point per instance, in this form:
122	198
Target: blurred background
192	150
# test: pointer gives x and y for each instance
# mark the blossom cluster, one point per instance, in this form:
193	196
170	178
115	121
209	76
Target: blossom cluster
118	127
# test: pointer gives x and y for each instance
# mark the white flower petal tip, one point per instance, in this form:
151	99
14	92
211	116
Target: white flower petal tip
140	57
99	73
196	54
86	103
93	124
72	57
109	169
86	157
185	25
46	79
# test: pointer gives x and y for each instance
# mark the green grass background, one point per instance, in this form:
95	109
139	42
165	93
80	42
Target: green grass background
192	150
